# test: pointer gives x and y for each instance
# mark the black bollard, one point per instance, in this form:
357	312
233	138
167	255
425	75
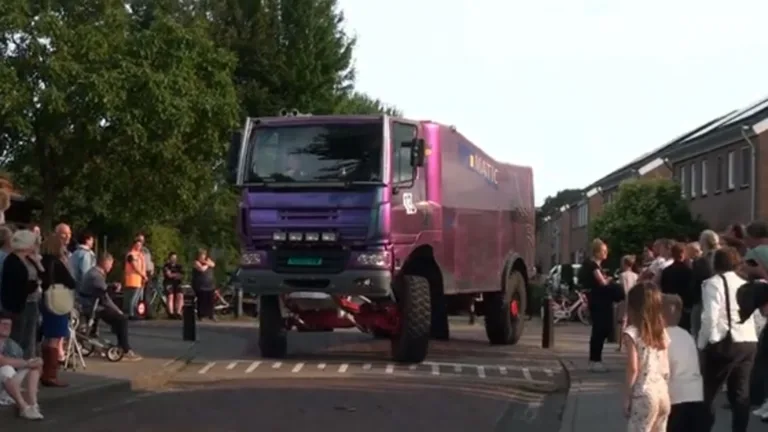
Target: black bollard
238	299
189	317
548	325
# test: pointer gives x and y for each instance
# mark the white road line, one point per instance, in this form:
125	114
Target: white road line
321	366
232	365
297	368
252	367
413	367
343	368
549	372
457	368
527	374
204	370
481	371
277	365
435	369
502	370
367	366
390	369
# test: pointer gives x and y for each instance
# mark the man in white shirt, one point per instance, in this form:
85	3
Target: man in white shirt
728	345
686	388
662	249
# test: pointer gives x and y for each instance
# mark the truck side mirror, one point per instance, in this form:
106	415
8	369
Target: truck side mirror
417	152
233	156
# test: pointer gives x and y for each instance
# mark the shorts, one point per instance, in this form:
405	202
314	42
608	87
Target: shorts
173	288
8	372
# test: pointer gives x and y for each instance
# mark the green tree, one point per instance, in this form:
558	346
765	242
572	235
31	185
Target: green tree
360	103
644	210
552	204
114	116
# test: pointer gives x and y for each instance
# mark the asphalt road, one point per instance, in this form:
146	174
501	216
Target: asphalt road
341	380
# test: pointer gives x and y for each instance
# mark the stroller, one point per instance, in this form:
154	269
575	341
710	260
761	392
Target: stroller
87	343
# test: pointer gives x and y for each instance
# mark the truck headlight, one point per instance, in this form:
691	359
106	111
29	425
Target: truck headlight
374	259
311	237
295	236
329	236
278	236
251	258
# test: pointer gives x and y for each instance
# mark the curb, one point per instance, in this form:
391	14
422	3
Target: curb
159	378
568	417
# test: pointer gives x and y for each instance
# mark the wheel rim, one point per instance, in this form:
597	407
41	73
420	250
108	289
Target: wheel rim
514	308
513	282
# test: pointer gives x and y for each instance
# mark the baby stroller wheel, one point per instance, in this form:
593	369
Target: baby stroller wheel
115	353
86	347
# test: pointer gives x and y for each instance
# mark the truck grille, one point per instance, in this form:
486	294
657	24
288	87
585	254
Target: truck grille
305	261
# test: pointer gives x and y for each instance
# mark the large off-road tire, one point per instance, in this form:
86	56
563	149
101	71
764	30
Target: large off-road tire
411	343
273	336
504	321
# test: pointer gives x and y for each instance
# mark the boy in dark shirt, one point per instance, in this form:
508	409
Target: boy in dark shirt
173	273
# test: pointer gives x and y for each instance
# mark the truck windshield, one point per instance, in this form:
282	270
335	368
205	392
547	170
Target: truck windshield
316	153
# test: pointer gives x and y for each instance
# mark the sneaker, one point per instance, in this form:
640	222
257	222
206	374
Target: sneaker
762	411
132	356
30	413
597	367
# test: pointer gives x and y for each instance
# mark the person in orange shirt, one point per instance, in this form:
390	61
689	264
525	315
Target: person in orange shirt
135	278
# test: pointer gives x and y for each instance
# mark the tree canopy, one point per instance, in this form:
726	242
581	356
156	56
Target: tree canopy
644	210
116	113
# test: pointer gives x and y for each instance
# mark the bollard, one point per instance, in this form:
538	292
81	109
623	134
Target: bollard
548	325
238	299
189	317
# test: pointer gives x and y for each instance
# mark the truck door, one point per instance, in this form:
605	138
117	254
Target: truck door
409	201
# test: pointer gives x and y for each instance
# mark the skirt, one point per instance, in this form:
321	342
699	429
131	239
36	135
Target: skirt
54	326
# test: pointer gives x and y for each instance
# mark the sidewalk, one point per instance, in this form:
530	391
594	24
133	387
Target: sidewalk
595	400
163	354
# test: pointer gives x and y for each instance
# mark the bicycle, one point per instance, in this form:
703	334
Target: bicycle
156	300
565	308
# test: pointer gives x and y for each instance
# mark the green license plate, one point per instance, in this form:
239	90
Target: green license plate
305	261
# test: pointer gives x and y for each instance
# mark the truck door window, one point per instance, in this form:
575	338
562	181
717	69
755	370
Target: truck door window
402	133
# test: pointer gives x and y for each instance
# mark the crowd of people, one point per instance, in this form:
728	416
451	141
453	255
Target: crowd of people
691	318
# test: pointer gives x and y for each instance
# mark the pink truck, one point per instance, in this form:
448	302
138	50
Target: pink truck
379	223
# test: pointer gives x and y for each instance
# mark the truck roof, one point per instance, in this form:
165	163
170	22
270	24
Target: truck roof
316	119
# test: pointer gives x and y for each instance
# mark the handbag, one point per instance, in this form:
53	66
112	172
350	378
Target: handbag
723	346
59	299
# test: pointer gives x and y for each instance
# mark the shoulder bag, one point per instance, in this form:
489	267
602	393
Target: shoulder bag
723	346
59	299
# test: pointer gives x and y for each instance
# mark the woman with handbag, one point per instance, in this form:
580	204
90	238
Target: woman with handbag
58	301
728	344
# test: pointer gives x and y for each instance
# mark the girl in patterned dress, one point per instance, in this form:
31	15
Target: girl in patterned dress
647	403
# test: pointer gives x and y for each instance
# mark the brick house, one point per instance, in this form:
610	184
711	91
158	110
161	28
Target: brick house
722	168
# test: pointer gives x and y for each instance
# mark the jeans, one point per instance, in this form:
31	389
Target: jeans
732	368
119	326
131	298
602	327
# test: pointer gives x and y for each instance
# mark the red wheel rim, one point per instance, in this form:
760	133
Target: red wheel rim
141	308
514	308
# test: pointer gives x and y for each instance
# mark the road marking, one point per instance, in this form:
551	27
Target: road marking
527	374
435	369
390	369
252	367
367	366
232	365
277	365
321	366
481	371
413	367
206	368
549	372
343	368
297	368
502	370
457	368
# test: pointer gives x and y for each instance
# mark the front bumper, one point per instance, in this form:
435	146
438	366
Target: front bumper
369	283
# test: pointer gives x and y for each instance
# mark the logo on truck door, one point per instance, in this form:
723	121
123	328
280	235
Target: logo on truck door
410	208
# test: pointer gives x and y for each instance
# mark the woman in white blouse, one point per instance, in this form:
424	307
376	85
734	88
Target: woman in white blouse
728	345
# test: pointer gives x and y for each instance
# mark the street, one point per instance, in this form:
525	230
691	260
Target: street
341	378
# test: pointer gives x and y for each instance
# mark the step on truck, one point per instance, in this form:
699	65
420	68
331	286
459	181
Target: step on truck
383	224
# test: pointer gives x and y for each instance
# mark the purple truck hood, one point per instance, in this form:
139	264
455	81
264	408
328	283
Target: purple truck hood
354	215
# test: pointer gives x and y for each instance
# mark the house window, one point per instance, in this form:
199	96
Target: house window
704	177
731	170
746	166
582	216
693	180
719	175
682	180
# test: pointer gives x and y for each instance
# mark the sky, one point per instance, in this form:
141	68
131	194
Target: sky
573	88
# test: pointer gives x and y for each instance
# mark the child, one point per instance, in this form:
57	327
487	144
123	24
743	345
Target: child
647	395
627	279
686	388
